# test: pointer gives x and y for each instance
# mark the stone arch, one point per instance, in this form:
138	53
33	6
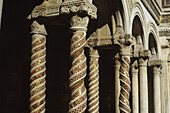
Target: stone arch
153	33
138	12
125	16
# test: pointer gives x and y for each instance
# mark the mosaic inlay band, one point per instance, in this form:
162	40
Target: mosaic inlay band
94	82
125	85
38	68
78	73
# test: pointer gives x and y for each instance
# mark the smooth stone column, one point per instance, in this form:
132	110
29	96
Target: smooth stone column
135	96
143	85
157	95
117	85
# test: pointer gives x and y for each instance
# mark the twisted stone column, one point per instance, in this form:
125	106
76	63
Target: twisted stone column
78	101
125	42
94	82
38	68
125	82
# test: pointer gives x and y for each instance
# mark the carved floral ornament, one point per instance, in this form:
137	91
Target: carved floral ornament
55	8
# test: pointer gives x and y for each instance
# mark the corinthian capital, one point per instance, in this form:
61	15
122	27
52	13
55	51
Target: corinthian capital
79	23
125	41
38	29
154	60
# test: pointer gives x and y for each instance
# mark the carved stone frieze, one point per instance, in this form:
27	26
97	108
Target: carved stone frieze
102	41
78	6
46	9
55	8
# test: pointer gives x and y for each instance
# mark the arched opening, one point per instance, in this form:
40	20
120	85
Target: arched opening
152	42
137	28
152	46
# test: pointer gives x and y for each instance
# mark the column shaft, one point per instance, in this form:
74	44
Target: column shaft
117	85
143	85
78	101
135	95
38	68
125	82
94	82
157	96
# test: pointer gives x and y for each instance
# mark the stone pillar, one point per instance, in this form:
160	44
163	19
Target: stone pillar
125	42
38	68
78	101
143	85
117	84
94	82
156	81
156	65
135	95
1	7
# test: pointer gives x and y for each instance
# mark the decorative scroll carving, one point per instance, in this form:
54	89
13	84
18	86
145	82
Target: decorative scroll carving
55	8
78	101
38	74
94	82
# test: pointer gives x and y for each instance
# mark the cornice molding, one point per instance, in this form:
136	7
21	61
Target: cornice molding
54	8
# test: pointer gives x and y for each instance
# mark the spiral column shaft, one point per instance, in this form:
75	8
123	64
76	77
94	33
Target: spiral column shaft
93	82
78	101
38	68
125	82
